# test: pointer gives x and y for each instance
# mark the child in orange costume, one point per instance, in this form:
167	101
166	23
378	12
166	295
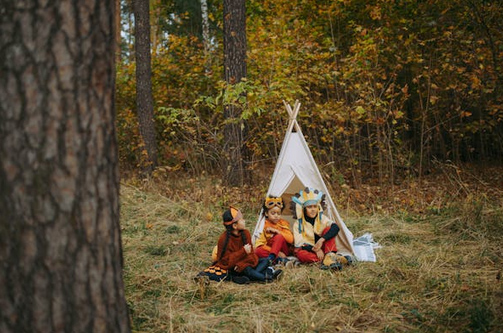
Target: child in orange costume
276	237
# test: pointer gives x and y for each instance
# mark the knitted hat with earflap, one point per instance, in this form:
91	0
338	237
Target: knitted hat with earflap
231	215
307	197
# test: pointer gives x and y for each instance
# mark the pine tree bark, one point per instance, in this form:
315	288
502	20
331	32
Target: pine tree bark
234	72
144	98
60	242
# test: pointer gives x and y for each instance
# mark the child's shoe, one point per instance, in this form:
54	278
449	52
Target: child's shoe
292	262
278	273
327	261
343	260
240	279
281	261
272	274
330	262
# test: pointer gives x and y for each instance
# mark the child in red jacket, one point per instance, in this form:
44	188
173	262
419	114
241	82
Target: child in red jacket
235	252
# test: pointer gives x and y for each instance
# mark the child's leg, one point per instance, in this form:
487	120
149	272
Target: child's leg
329	244
266	275
253	274
306	256
262	265
261	252
278	245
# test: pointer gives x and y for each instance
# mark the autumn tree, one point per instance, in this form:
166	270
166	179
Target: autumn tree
60	240
234	72
386	87
144	99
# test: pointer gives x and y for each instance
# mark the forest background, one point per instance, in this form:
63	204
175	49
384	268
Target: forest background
401	107
402	110
387	87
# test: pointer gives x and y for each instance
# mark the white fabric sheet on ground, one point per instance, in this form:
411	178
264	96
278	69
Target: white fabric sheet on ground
364	247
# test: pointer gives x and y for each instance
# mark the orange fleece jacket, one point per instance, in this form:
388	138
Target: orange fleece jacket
283	226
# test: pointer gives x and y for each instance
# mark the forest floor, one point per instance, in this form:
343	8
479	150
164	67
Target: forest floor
438	269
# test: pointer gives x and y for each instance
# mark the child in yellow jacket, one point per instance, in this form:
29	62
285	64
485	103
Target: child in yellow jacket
276	237
314	232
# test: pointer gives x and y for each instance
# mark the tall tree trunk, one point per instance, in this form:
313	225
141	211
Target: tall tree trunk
144	99
60	242
206	35
131	29
234	72
118	29
157	30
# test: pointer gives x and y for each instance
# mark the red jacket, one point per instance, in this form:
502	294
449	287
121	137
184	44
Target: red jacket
235	255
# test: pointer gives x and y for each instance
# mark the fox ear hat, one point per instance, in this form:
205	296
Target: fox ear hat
231	216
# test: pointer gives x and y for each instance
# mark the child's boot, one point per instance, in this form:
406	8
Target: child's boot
345	260
273	274
240	279
330	262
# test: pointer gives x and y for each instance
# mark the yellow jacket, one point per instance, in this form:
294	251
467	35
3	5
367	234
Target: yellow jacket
304	231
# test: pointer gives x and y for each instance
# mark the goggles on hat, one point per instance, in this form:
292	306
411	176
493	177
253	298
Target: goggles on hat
272	202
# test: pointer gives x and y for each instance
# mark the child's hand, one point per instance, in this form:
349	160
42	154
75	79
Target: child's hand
320	254
272	230
318	244
247	248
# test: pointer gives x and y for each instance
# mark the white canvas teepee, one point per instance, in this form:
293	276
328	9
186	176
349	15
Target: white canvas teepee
296	170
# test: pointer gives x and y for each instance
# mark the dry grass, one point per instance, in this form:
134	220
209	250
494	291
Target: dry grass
436	272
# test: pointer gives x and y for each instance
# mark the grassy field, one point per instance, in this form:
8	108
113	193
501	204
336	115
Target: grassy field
439	268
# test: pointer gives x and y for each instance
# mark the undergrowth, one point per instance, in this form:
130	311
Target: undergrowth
436	272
